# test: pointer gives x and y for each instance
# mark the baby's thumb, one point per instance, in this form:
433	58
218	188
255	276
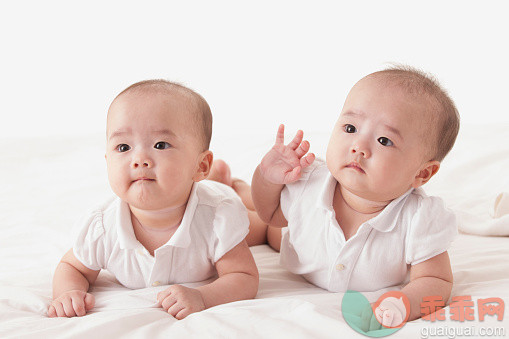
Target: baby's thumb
292	176
89	301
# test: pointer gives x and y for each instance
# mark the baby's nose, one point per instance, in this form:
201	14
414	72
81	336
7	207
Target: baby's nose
142	162
360	149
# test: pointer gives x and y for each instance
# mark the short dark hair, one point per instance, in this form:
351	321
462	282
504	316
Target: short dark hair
447	118
201	108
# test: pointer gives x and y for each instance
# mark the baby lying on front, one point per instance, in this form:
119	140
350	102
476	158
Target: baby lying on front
166	226
360	220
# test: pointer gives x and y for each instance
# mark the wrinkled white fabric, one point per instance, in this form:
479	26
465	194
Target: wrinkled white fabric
500	205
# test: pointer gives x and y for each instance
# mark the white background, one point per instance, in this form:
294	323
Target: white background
257	63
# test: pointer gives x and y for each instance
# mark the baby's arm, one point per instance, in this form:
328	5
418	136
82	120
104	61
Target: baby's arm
238	280
281	165
432	277
70	286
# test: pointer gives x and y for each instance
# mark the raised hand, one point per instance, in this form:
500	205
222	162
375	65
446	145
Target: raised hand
71	304
180	301
283	164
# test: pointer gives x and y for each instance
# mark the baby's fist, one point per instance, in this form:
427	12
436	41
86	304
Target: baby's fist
71	304
180	301
391	312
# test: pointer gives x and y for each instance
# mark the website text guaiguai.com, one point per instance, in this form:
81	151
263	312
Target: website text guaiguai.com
473	331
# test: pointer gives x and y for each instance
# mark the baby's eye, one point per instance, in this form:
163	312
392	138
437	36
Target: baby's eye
385	141
123	148
162	145
350	128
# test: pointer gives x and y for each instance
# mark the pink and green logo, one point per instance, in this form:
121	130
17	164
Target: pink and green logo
382	318
391	311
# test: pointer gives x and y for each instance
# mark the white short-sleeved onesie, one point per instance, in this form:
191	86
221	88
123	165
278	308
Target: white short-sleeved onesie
411	229
215	221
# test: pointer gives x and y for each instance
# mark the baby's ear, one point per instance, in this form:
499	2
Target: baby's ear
204	164
427	171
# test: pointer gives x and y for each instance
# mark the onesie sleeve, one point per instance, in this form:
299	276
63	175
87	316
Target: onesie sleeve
231	226
431	231
89	247
291	192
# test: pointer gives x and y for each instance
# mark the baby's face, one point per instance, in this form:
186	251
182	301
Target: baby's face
152	150
378	144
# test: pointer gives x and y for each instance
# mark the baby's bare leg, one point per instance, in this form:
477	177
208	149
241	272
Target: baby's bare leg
257	230
220	172
244	192
274	237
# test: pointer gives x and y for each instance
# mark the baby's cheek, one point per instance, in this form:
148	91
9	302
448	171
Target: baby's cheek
118	181
334	160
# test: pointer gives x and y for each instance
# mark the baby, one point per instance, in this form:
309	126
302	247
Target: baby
166	225
360	220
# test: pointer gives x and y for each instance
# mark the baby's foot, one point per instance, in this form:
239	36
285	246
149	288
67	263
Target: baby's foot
220	172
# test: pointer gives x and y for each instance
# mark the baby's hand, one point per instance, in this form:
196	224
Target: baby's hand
71	304
180	301
390	313
283	164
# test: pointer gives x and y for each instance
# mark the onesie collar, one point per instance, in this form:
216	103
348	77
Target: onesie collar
384	222
182	237
125	231
389	217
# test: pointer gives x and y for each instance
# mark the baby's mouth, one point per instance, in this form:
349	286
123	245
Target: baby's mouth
143	179
355	166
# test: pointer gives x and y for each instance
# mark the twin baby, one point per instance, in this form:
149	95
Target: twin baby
358	221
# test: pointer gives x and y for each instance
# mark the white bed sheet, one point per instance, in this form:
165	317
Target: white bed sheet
47	183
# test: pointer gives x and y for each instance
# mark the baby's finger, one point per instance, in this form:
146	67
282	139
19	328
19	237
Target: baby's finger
280	136
51	311
307	160
292	176
89	301
59	309
163	295
68	309
183	313
168	302
296	140
78	305
302	149
388	318
175	309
